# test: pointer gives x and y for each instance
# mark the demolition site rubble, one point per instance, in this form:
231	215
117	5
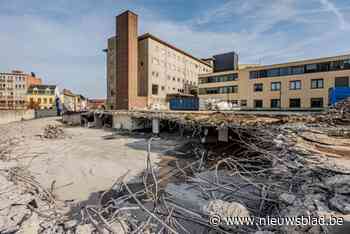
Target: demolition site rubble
269	166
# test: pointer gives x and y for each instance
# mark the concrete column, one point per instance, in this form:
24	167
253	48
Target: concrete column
155	126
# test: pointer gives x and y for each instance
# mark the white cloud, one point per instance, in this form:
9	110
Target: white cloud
344	25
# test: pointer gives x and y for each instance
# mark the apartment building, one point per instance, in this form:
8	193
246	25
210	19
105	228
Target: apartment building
143	70
72	102
295	85
13	88
42	96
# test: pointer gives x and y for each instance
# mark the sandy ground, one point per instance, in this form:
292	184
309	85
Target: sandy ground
82	163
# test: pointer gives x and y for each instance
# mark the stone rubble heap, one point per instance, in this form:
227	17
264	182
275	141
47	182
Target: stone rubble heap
53	132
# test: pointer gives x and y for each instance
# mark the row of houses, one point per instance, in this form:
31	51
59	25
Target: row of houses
20	90
13	88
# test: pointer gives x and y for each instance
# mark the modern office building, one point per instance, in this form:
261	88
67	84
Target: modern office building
13	88
143	70
295	85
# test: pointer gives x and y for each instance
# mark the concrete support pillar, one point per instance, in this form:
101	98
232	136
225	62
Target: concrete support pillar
155	126
223	134
98	120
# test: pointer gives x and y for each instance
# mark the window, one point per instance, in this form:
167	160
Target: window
316	102
323	67
273	72
163	88
45	100
50	100
253	75
295	84
294	103
275	86
298	70
217	90
154	89
285	71
222	78
317	83
39	100
258	103
309	68
341	82
258	87
234	102
347	64
243	102
275	103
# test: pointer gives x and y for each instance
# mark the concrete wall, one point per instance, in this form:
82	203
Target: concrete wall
45	113
125	122
8	116
72	119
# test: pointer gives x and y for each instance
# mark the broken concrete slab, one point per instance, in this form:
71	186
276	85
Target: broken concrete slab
338	184
341	203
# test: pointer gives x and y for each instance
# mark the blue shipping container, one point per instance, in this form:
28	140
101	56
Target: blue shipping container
184	103
338	94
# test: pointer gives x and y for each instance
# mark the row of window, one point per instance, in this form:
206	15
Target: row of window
219	90
155	89
19	86
259	87
170	66
44	100
215	79
293	103
47	91
10	78
293	85
173	55
297	70
156	74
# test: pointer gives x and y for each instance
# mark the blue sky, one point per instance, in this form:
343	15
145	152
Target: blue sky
62	40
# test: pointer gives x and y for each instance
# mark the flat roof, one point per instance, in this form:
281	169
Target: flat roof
303	61
256	67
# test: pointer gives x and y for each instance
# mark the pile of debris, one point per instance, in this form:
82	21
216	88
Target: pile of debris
340	113
259	174
53	132
26	206
266	169
6	148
